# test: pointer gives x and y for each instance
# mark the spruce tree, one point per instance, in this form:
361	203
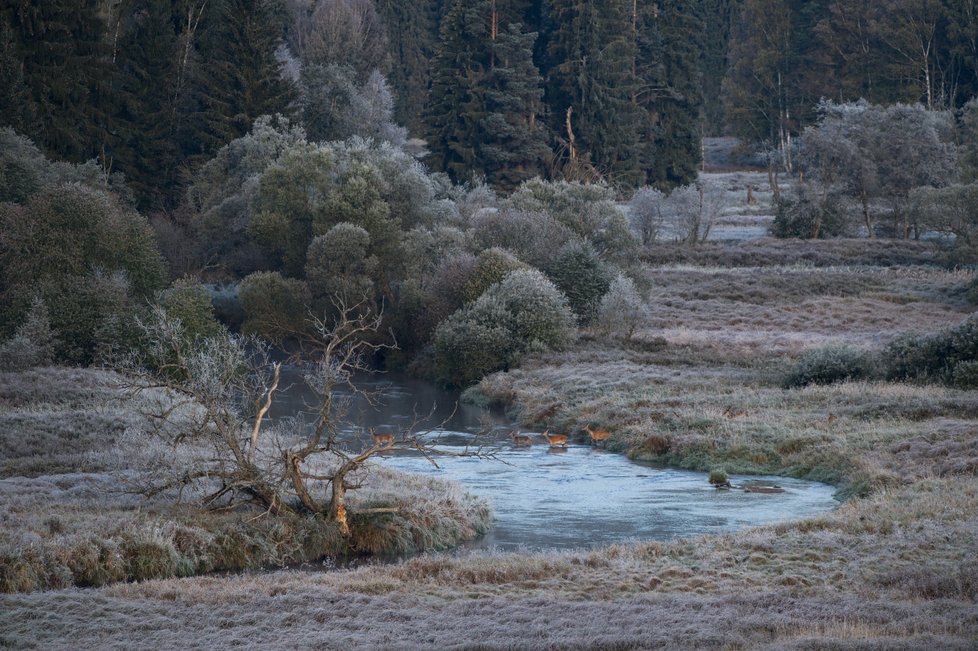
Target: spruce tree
676	98
412	32
515	144
239	77
592	87
146	150
485	96
16	106
66	66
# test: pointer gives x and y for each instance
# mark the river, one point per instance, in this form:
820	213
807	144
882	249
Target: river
560	498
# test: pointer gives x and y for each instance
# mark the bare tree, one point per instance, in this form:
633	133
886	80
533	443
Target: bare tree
696	207
214	394
645	213
344	32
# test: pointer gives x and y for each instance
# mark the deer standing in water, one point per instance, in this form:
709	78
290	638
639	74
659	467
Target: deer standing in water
520	440
555	440
382	440
598	436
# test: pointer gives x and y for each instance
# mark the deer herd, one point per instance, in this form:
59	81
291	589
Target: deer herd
519	439
559	440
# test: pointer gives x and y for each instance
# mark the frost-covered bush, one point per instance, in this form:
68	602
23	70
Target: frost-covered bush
622	309
645	213
274	306
187	300
523	313
533	237
88	255
33	343
579	273
491	266
829	364
809	213
936	357
338	265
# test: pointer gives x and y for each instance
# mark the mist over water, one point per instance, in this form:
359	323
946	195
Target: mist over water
563	498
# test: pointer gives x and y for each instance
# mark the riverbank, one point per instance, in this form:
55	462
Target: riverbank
893	568
74	452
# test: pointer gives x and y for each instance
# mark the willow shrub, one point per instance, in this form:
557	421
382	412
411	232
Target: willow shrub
523	313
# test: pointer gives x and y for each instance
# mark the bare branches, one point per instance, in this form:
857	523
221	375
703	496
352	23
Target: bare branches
209	399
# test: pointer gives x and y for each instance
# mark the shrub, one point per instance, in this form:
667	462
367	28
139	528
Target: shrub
622	309
827	365
934	358
90	258
33	343
338	264
534	237
186	299
474	342
582	277
274	306
523	313
491	266
719	477
806	214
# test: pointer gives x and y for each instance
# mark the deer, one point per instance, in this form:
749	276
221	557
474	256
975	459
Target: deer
555	440
730	412
520	439
598	436
383	440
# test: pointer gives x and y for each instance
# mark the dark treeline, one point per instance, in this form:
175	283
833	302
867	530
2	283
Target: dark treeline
501	90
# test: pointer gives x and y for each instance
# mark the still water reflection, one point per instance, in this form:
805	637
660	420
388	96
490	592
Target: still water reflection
578	497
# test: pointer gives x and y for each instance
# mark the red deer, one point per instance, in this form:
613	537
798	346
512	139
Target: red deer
520	439
597	437
555	440
383	440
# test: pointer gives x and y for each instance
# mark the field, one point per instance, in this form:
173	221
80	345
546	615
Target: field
698	386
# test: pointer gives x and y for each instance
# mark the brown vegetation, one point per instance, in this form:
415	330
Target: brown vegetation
76	452
892	568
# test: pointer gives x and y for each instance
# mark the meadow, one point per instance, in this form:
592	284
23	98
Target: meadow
699	385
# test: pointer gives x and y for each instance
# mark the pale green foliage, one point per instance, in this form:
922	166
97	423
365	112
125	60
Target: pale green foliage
491	266
224	184
275	306
338	266
33	343
582	207
587	209
24	171
829	364
86	254
187	300
622	309
540	311
579	273
523	313
534	237
426	247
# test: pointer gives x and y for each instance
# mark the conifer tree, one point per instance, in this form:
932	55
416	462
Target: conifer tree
676	98
239	77
412	32
147	113
16	107
65	59
592	87
485	96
